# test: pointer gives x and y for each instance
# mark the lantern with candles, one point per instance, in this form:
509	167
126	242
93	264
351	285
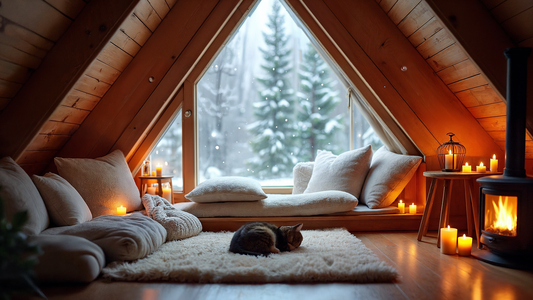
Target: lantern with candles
451	155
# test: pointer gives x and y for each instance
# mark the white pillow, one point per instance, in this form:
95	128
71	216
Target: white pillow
345	172
104	183
389	174
19	194
64	204
301	174
228	188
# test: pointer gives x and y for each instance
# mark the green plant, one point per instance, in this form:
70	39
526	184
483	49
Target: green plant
18	256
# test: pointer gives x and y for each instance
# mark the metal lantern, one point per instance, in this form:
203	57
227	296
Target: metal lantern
451	155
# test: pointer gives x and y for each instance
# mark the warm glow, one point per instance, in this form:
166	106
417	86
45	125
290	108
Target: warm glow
494	156
501	218
450	152
121	210
466	164
448	227
481	164
400	201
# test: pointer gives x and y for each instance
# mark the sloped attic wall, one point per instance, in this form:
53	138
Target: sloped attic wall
129	108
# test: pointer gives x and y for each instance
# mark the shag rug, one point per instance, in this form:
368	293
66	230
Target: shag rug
331	255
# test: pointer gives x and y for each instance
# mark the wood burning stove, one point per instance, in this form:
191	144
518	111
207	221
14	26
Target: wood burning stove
506	202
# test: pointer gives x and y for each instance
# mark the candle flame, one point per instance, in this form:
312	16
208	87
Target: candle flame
450	152
413	204
481	164
121	206
466	164
400	201
448	226
494	156
464	236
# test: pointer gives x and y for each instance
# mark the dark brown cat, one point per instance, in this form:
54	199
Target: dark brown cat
262	238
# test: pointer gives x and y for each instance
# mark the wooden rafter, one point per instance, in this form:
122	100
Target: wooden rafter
24	116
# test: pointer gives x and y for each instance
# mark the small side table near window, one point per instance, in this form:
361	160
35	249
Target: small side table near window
159	180
471	199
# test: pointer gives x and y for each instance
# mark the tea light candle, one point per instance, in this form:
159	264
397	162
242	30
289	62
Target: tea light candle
481	168
412	209
467	168
448	240
158	169
153	173
401	207
450	160
464	245
494	164
121	210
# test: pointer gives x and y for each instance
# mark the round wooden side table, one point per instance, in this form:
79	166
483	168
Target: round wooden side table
146	180
471	200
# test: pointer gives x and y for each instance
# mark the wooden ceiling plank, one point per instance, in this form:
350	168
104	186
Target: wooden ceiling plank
447	57
22	45
147	15
490	4
43	142
69	115
434	44
425	93
478	96
497	109
403	7
103	72
81	100
22	119
520	27
170	3
419	16
458	72
91	85
18	57
13	72
468	83
37	157
493	123
127	95
498	136
160	7
425	32
9	89
387	5
17	31
37	16
71	8
510	8
124	42
59	128
115	57
135	29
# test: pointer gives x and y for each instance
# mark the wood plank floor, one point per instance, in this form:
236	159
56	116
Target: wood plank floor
424	274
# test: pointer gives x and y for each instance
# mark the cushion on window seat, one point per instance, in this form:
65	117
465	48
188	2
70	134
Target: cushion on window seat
319	203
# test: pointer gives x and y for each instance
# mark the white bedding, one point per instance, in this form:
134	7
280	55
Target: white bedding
284	205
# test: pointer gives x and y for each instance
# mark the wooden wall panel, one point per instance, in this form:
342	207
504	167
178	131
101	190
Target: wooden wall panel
520	27
70	8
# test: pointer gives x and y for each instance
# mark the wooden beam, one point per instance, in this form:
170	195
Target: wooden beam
24	116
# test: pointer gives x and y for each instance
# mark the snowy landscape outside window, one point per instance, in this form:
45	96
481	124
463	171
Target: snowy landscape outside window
269	101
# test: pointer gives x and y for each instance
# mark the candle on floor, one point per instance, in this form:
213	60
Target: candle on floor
412	209
481	168
448	240
464	246
467	168
121	210
450	160
152	190
494	164
167	192
401	207
159	169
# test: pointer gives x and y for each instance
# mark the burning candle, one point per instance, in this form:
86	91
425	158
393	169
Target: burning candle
450	160
481	168
467	168
167	192
412	209
464	245
121	210
158	169
401	207
448	240
151	190
494	164
153	173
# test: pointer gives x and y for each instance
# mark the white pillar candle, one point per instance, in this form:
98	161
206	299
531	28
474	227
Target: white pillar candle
167	192
450	160
121	210
481	168
401	207
152	190
494	164
412	209
464	245
467	168
158	170
448	240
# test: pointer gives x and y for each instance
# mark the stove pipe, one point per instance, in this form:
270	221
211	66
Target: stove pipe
515	145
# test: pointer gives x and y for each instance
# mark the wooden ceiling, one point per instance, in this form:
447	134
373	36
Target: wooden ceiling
80	78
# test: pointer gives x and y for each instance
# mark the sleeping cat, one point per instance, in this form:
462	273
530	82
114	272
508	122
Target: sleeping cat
262	238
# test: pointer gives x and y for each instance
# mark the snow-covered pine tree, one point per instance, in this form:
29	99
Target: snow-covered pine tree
274	143
317	100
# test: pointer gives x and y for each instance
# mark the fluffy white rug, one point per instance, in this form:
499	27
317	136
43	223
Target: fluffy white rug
324	256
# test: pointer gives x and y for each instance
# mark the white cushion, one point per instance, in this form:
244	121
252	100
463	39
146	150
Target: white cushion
63	203
345	172
389	174
225	189
104	183
19	194
319	203
301	174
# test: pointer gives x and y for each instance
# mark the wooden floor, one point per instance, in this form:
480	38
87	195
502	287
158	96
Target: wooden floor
424	274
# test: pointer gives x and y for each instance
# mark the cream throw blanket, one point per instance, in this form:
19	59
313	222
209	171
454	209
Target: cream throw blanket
179	224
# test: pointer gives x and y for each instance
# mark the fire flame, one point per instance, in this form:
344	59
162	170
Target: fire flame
504	219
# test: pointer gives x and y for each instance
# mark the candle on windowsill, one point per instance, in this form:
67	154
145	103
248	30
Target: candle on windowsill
448	240
121	210
412	209
464	245
158	169
467	168
481	168
401	207
494	164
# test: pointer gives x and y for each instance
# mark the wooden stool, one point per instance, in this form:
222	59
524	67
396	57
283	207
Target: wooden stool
146	180
471	200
